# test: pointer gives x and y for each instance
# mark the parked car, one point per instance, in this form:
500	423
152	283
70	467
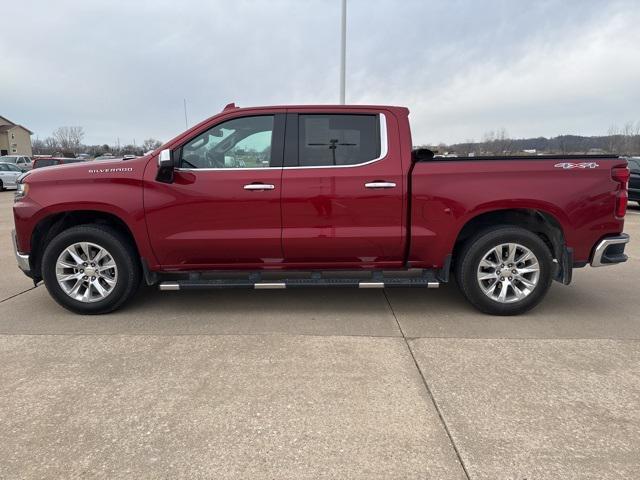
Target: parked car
634	181
9	173
50	161
343	201
23	162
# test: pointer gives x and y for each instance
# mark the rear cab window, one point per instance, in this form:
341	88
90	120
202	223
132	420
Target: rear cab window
45	163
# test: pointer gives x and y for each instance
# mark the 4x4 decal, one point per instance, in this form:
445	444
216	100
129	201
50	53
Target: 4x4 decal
570	165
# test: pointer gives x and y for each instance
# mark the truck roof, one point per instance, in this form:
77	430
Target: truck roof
233	106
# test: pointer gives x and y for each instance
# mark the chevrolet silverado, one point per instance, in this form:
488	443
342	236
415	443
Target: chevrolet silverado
324	196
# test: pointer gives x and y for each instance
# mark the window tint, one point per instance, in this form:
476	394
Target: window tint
238	143
338	139
13	168
3	168
634	165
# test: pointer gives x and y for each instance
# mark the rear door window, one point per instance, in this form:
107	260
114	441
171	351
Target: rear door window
337	140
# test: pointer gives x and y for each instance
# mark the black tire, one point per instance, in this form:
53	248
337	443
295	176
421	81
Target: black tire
1	186
123	253
475	249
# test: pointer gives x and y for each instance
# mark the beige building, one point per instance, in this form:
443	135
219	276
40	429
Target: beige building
14	138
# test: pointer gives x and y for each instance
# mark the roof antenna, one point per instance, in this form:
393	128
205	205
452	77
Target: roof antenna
229	106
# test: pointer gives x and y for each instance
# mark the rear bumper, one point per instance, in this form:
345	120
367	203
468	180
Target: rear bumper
22	259
610	250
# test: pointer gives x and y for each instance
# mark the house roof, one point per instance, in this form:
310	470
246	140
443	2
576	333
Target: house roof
5	128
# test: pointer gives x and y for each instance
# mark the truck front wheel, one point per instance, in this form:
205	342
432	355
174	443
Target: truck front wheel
90	269
504	270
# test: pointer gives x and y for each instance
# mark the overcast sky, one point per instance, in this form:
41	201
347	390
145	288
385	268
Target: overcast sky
463	67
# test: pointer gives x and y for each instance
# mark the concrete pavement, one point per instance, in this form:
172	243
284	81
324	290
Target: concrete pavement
322	383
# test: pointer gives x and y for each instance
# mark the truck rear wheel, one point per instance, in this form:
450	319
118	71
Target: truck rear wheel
90	269
504	270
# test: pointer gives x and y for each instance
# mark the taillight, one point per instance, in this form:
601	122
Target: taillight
621	175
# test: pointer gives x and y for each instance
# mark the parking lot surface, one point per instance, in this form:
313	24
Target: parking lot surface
323	383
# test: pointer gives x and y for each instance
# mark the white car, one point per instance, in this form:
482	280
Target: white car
23	162
9	173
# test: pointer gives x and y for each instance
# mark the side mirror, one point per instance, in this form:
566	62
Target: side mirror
165	167
165	159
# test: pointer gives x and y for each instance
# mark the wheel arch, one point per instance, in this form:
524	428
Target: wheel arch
541	222
50	226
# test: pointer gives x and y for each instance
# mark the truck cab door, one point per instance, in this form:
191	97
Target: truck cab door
343	200
222	209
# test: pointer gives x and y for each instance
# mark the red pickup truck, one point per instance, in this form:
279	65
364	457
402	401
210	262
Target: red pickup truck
300	196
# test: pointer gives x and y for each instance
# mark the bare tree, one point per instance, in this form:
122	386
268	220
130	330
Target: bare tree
497	142
625	140
150	144
38	146
51	144
69	138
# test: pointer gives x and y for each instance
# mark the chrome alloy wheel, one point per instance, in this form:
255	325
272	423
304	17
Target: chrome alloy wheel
86	272
508	273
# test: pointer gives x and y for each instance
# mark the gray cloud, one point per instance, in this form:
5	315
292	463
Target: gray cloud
122	68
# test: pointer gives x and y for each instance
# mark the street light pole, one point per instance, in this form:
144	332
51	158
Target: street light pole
343	53
186	124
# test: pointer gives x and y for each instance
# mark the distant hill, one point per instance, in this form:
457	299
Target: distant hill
563	144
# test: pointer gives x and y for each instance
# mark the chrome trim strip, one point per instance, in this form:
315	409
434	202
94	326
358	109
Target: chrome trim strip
371	285
603	245
262	169
433	284
269	285
164	286
384	150
23	260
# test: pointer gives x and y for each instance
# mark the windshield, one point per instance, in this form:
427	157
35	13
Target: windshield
9	159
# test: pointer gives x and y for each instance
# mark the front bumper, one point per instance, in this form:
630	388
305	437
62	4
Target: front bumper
22	259
610	250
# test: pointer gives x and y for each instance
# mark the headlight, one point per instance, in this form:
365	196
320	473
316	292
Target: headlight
21	191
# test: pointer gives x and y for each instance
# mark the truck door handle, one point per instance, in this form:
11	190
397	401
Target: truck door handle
259	186
380	185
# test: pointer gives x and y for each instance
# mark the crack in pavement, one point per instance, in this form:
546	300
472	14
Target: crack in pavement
428	389
18	294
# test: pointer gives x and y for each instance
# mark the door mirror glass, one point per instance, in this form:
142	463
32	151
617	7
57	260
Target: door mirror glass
165	167
164	159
